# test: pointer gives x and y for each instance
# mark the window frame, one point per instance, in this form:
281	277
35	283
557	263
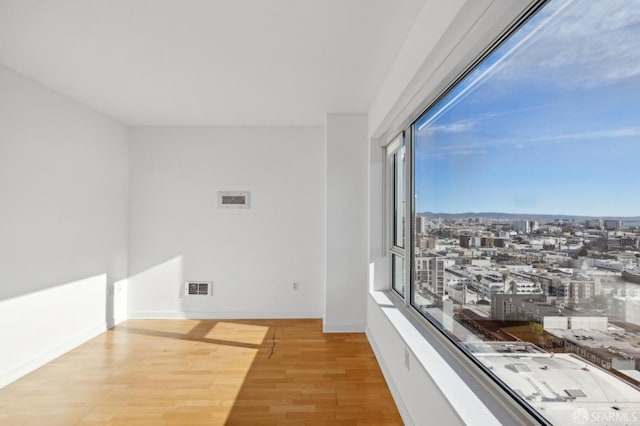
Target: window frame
391	151
427	325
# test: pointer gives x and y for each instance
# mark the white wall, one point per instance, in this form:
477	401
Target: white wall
417	393
63	232
253	256
347	168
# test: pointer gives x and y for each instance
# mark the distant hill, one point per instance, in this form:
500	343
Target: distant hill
517	216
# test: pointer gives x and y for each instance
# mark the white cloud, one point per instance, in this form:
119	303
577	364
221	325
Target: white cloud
599	134
468	152
453	148
457	127
587	43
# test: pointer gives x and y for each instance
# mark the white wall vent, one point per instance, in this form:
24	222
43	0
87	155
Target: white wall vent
234	199
198	288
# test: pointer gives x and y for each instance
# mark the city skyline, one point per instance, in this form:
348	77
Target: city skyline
545	125
528	214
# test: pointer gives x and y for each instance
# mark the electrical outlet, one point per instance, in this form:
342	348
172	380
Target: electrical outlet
295	285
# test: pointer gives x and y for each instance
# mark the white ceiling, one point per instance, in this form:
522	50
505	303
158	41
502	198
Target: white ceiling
208	62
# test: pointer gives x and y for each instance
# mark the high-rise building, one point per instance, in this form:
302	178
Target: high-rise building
487	242
594	223
428	243
430	273
611	225
525	226
421	225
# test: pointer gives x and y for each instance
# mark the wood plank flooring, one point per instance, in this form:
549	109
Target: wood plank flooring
205	372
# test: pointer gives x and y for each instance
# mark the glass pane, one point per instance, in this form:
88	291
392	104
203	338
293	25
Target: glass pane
527	234
398	273
399	196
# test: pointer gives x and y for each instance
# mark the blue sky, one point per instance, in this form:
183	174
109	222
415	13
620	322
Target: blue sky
549	124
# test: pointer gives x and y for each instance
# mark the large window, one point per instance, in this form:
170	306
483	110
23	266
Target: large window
525	242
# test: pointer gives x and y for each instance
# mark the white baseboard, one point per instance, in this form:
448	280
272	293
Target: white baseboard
393	388
342	328
222	315
49	355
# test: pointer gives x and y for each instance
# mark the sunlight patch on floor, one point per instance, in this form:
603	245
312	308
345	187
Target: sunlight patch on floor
241	333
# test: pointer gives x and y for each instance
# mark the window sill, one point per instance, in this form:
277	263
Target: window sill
475	399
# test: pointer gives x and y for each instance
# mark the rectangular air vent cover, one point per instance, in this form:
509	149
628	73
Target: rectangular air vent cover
198	288
234	199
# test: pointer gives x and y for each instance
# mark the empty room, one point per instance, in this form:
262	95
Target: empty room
310	212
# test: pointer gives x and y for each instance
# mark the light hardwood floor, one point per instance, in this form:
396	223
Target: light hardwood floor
205	372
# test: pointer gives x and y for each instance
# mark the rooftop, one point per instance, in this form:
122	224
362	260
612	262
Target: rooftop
563	386
601	341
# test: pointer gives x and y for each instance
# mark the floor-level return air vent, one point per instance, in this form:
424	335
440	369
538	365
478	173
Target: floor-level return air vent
198	288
